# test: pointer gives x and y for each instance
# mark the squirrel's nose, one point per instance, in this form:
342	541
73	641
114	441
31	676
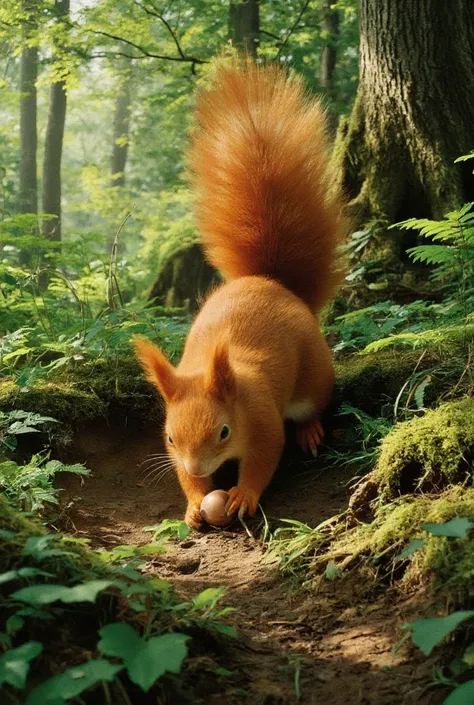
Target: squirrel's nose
193	467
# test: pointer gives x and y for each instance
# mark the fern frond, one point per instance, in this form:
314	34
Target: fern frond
433	254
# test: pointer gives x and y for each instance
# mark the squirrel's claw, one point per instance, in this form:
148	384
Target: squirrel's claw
243	500
309	436
193	517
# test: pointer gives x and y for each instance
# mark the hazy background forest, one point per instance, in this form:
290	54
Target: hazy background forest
97	243
110	87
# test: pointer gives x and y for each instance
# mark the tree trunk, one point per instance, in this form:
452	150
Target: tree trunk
413	114
28	188
244	25
121	133
53	147
28	180
330	26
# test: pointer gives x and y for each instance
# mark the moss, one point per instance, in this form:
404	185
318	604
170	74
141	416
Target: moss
449	561
370	381
83	392
428	452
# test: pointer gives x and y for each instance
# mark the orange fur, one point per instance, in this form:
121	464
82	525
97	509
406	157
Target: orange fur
255	354
262	182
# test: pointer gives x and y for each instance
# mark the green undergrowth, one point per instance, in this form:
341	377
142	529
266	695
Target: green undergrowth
97	624
82	392
337	546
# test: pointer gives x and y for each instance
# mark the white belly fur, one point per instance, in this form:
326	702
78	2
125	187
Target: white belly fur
299	410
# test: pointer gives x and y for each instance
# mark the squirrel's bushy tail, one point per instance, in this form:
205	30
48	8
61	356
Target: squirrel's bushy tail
263	188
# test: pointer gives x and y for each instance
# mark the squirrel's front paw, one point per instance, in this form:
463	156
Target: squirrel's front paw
243	500
193	516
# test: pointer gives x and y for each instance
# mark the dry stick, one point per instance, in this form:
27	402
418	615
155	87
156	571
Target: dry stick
113	263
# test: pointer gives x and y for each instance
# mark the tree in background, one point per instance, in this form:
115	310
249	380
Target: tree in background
413	115
28	188
330	28
53	145
244	25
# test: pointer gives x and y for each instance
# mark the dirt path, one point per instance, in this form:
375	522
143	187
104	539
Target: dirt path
330	647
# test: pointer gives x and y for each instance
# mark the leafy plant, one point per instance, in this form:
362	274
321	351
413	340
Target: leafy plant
17	422
31	486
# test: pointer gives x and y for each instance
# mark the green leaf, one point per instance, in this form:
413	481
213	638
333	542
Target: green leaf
159	655
22	573
149	549
145	661
14	624
120	640
209	597
183	531
455	528
46	594
14	664
462	695
332	571
226	629
427	633
72	682
468	656
413	546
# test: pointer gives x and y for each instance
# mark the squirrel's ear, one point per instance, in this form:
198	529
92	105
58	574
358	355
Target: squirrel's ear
159	370
220	379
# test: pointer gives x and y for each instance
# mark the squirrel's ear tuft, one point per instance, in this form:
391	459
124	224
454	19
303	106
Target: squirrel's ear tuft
159	370
220	379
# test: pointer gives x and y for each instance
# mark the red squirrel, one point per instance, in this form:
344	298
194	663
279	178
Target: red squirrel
255	354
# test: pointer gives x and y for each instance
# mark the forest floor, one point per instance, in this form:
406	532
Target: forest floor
329	645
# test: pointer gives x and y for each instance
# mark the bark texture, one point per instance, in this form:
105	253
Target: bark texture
53	147
414	112
244	25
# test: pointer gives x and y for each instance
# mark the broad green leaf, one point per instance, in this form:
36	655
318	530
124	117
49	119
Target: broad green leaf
208	597
462	695
14	624
72	682
14	664
428	633
46	594
158	655
455	528
183	531
413	546
120	640
22	573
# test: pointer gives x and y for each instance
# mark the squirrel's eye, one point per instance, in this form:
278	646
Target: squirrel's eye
170	440
225	432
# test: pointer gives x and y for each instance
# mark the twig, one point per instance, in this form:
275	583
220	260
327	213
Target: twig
293	27
111	279
155	13
145	53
